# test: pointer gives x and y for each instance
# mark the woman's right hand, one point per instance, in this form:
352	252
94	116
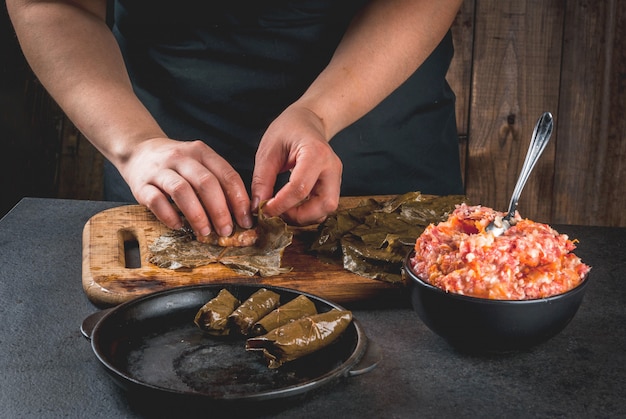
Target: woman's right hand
204	186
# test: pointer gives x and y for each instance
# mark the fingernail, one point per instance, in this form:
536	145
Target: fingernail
178	225
247	221
226	231
255	203
205	231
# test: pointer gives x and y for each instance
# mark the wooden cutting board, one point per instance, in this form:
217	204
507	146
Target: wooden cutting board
109	279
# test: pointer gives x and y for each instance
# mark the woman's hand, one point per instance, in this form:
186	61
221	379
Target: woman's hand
296	142
200	182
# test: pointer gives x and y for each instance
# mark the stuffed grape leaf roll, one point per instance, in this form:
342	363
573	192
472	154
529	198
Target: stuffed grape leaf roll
257	306
295	309
300	337
213	316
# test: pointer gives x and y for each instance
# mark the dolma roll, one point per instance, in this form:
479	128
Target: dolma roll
300	337
295	309
257	306
213	316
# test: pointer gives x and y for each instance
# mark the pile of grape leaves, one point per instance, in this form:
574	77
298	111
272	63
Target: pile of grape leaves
373	238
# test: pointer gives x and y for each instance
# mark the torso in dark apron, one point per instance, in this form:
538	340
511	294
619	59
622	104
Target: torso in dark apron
222	76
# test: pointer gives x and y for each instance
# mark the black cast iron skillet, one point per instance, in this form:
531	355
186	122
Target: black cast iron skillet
150	346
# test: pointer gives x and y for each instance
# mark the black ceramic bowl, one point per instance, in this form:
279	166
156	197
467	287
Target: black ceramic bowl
483	325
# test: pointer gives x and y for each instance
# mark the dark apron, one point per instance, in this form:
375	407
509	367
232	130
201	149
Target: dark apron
222	77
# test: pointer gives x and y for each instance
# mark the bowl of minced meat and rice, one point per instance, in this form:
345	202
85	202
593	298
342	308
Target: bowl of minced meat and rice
491	294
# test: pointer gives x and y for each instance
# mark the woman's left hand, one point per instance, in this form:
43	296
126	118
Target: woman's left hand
296	142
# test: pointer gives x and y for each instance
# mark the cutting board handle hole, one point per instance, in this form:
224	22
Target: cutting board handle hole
130	251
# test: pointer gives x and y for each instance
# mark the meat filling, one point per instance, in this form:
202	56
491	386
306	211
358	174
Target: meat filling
530	260
241	237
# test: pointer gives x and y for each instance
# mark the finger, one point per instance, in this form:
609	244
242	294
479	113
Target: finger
154	199
306	174
237	197
266	170
323	197
303	177
313	210
322	200
293	194
233	194
184	196
208	200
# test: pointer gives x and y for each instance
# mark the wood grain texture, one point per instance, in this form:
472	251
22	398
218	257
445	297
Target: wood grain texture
590	186
460	73
517	50
108	281
81	162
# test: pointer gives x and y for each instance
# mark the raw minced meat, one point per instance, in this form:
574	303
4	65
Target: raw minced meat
530	260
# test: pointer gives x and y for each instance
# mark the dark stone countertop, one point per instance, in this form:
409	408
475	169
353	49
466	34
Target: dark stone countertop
49	369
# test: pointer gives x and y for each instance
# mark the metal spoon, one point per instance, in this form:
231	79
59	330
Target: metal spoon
538	142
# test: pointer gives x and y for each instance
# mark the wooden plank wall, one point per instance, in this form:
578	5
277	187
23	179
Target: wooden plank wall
80	166
517	59
590	180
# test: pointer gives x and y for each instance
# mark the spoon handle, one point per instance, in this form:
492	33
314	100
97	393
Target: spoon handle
538	142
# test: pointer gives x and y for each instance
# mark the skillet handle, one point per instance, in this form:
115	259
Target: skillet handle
371	358
90	322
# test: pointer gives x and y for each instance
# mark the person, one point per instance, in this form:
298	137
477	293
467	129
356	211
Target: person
292	102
